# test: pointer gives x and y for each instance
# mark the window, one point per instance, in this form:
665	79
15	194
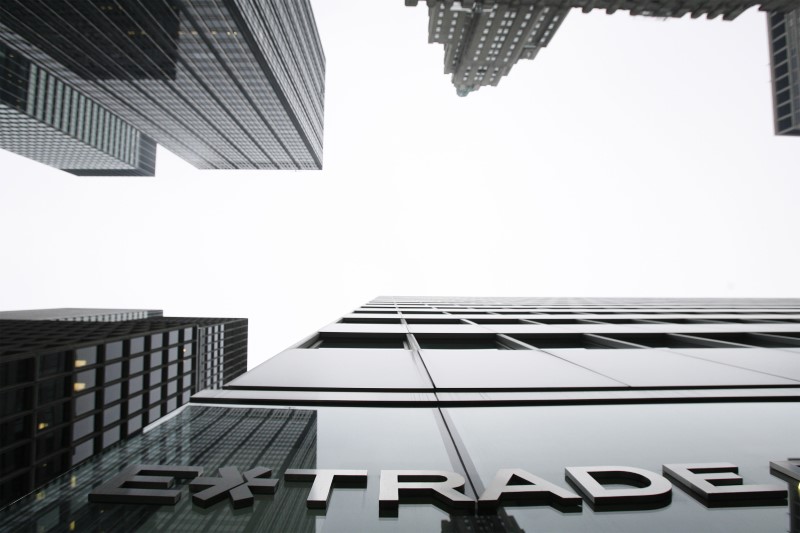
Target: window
136	365
113	350
113	393
156	341
113	372
761	340
460	342
367	320
84	403
569	340
52	363
16	372
137	345
498	321
87	355
383	341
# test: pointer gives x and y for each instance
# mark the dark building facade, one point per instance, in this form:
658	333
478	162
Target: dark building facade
484	40
236	84
47	120
81	314
476	414
784	47
74	384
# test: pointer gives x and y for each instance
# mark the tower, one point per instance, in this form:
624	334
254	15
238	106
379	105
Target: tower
75	382
234	84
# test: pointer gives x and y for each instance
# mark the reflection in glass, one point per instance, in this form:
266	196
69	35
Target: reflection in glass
544	440
212	437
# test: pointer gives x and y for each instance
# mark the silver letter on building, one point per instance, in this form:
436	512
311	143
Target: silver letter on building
649	487
719	484
440	485
535	490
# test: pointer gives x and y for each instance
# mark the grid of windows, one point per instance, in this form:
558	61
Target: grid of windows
208	436
518	348
81	314
483	40
46	119
784	43
76	384
232	84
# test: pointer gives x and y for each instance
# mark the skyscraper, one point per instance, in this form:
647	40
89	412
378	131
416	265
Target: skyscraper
784	47
80	314
478	414
74	382
233	84
47	120
483	40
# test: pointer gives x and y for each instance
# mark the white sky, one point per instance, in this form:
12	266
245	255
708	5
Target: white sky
632	157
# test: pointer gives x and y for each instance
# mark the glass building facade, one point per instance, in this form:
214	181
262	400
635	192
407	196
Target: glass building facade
45	119
784	47
70	388
222	84
479	414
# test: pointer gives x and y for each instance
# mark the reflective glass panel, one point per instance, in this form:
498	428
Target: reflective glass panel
343	368
137	345
113	371
113	350
212	437
546	439
88	354
136	364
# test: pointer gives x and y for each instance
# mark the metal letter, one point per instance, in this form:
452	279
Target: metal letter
650	487
786	470
789	471
719	484
441	485
536	490
148	484
324	480
240	488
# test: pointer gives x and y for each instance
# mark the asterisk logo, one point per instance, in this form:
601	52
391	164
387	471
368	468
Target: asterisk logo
240	487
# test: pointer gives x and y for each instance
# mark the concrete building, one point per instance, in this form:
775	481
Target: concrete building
484	40
235	84
476	414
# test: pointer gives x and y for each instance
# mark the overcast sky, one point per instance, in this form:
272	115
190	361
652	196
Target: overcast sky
633	157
